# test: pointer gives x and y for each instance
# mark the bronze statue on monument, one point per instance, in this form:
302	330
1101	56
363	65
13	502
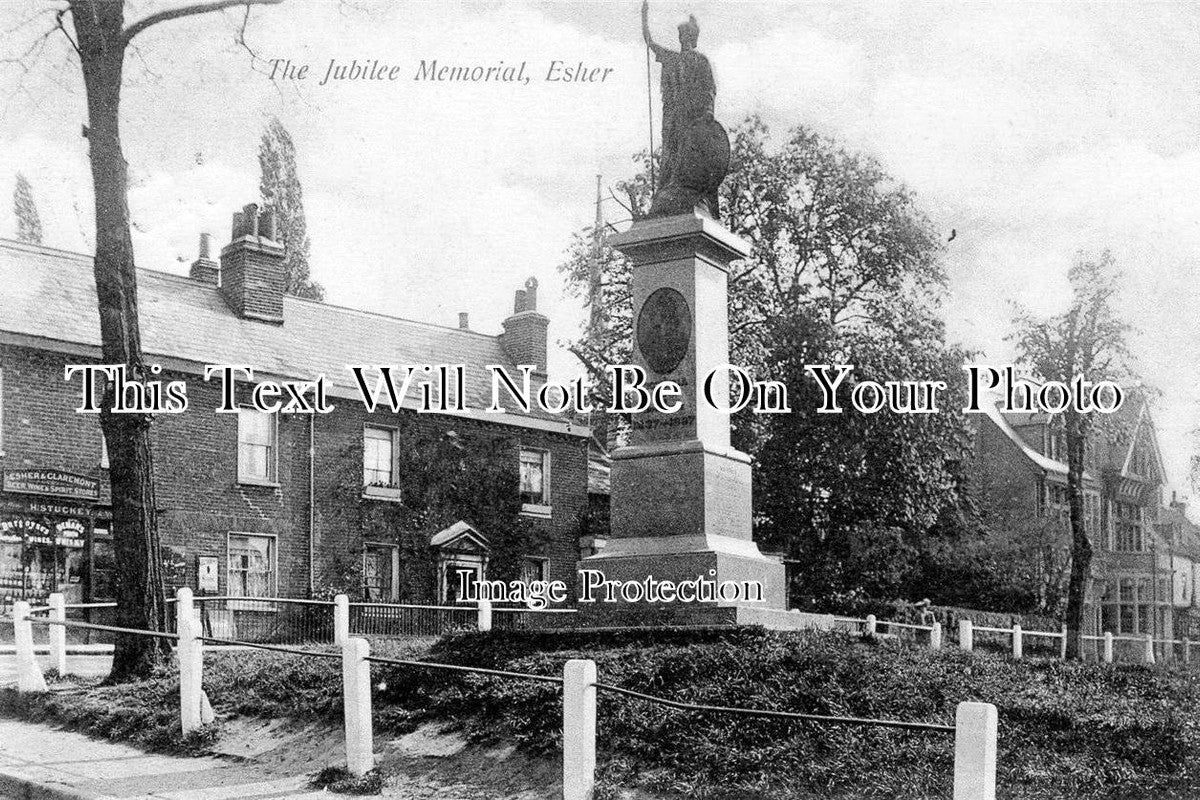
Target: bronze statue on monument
694	159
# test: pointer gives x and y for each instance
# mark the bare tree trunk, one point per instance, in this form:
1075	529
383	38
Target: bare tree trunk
1081	544
139	585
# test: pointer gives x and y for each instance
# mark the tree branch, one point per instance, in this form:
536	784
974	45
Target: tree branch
58	20
188	11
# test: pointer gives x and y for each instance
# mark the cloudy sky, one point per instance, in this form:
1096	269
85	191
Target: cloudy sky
1033	129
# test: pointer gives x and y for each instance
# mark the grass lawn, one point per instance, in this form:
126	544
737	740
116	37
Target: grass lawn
1066	730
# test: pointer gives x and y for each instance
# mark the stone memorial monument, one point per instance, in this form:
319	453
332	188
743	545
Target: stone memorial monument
681	504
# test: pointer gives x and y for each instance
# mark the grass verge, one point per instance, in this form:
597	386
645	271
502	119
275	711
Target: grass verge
1066	729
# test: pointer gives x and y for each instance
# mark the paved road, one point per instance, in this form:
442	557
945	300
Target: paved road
87	666
39	761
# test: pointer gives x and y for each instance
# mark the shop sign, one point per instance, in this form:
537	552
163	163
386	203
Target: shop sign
53	482
69	533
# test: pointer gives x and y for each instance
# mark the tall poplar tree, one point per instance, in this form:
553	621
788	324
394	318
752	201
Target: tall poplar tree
29	223
281	192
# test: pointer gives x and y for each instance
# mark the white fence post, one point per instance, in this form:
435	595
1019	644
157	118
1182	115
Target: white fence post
579	729
1062	650
341	619
975	751
1187	650
485	615
1018	646
58	633
190	656
356	700
935	636
870	629
1149	657
966	635
29	674
1108	647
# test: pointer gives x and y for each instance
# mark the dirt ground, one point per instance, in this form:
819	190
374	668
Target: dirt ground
429	764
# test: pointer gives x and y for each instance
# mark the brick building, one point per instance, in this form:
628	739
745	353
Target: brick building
1146	566
266	504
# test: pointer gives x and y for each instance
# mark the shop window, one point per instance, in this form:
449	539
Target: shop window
251	565
257	437
1	412
381	567
535	481
380	468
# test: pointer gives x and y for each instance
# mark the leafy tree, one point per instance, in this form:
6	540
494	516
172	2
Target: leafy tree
1088	340
281	192
29	223
844	269
100	40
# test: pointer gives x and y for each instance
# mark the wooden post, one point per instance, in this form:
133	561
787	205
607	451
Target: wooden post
966	635
1062	650
356	700
341	619
485	615
29	674
1149	657
58	633
1187	650
870	628
935	636
975	751
190	656
1108	647
579	729
1018	646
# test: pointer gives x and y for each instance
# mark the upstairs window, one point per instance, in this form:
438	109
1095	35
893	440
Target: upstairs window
1129	529
379	457
257	439
535	479
1	412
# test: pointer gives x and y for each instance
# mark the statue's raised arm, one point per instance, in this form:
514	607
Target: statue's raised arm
653	45
695	148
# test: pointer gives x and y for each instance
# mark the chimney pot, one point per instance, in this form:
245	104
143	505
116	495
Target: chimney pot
204	269
463	321
531	287
266	225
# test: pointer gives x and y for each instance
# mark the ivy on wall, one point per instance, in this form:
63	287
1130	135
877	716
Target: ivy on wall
444	475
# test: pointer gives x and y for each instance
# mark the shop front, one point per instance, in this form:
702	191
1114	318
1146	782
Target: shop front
54	537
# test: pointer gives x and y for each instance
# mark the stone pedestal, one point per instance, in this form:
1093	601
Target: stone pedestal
681	496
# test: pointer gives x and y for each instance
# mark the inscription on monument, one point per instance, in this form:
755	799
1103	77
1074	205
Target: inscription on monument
664	329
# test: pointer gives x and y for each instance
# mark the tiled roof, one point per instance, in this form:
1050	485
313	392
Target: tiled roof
50	295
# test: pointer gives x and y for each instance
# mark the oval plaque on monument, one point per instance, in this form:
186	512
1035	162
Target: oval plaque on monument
664	330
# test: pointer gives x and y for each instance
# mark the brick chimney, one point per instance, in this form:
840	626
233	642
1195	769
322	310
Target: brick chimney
524	337
252	279
204	269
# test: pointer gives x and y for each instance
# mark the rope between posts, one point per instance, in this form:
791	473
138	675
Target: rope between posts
753	712
272	647
94	627
456	668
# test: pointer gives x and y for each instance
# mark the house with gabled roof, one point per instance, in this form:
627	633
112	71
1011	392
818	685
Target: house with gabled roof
255	503
1145	567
